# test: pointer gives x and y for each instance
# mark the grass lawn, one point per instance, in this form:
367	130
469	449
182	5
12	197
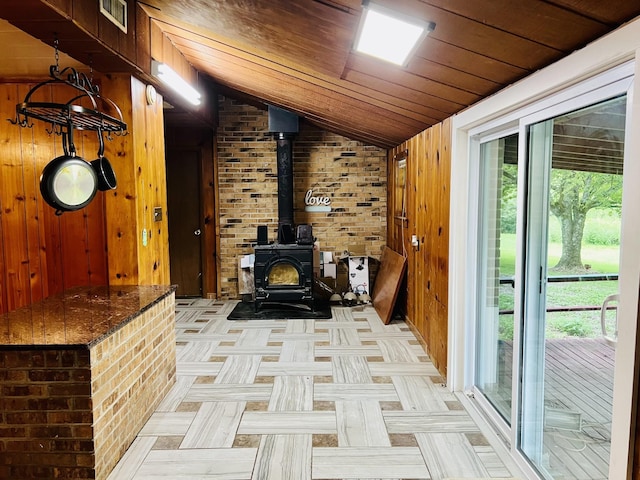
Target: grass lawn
602	258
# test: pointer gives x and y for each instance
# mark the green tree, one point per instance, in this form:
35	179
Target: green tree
573	194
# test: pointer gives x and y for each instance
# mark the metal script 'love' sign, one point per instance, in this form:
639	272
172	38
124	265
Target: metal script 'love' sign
316	203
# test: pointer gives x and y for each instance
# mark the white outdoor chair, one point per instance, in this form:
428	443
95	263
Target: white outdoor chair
610	338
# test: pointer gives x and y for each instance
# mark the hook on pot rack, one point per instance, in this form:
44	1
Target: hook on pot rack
71	115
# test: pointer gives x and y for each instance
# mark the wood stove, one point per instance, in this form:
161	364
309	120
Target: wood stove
283	271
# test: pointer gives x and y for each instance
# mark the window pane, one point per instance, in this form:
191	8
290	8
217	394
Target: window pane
494	339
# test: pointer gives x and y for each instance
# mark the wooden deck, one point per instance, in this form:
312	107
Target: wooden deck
578	386
579	378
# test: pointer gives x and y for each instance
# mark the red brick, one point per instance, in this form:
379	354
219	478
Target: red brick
49	375
22	418
70	389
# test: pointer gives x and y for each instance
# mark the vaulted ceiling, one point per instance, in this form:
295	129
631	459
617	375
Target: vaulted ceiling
298	55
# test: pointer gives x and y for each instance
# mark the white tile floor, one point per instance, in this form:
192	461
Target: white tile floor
345	398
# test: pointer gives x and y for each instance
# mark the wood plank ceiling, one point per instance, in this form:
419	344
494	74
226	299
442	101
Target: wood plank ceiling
298	54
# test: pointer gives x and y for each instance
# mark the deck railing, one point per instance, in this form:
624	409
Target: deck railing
589	277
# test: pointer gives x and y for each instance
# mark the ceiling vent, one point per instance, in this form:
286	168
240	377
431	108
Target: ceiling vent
116	12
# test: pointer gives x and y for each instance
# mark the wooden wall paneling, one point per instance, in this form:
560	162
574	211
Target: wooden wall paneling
73	232
94	220
44	150
429	298
425	175
95	272
138	160
163	50
32	167
62	5
143	39
98	273
49	147
156	255
86	14
414	219
398	237
3	283
13	199
54	252
74	236
156	36
144	159
432	220
120	204
428	204
411	209
437	347
108	32
127	41
392	235
437	324
445	209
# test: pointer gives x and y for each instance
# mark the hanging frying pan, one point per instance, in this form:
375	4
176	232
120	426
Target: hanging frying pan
102	167
68	182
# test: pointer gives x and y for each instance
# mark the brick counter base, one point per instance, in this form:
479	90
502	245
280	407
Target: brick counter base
71	412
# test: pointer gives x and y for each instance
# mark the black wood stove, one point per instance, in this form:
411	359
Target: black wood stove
283	270
284	274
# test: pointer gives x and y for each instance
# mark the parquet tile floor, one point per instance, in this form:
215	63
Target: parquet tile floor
345	398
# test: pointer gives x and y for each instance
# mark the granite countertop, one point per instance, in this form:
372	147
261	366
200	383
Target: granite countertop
81	316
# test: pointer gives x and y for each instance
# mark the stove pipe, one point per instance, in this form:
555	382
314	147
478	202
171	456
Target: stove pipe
284	152
284	125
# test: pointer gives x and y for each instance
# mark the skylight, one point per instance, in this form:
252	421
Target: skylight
389	36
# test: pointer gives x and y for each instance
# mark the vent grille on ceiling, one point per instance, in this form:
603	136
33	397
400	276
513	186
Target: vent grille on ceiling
116	12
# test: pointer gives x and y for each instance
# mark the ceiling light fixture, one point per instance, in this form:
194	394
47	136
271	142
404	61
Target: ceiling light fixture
174	81
388	35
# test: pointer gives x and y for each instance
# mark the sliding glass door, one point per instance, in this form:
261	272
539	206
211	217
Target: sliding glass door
548	261
497	232
572	262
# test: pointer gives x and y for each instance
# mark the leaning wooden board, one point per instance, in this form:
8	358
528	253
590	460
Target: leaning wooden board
388	281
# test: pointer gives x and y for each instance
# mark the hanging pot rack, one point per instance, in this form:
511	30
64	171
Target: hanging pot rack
65	117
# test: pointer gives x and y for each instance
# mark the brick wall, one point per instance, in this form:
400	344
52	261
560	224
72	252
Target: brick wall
131	372
71	412
352	174
46	430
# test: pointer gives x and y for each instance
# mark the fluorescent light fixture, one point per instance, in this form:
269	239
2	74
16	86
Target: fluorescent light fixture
388	35
174	81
